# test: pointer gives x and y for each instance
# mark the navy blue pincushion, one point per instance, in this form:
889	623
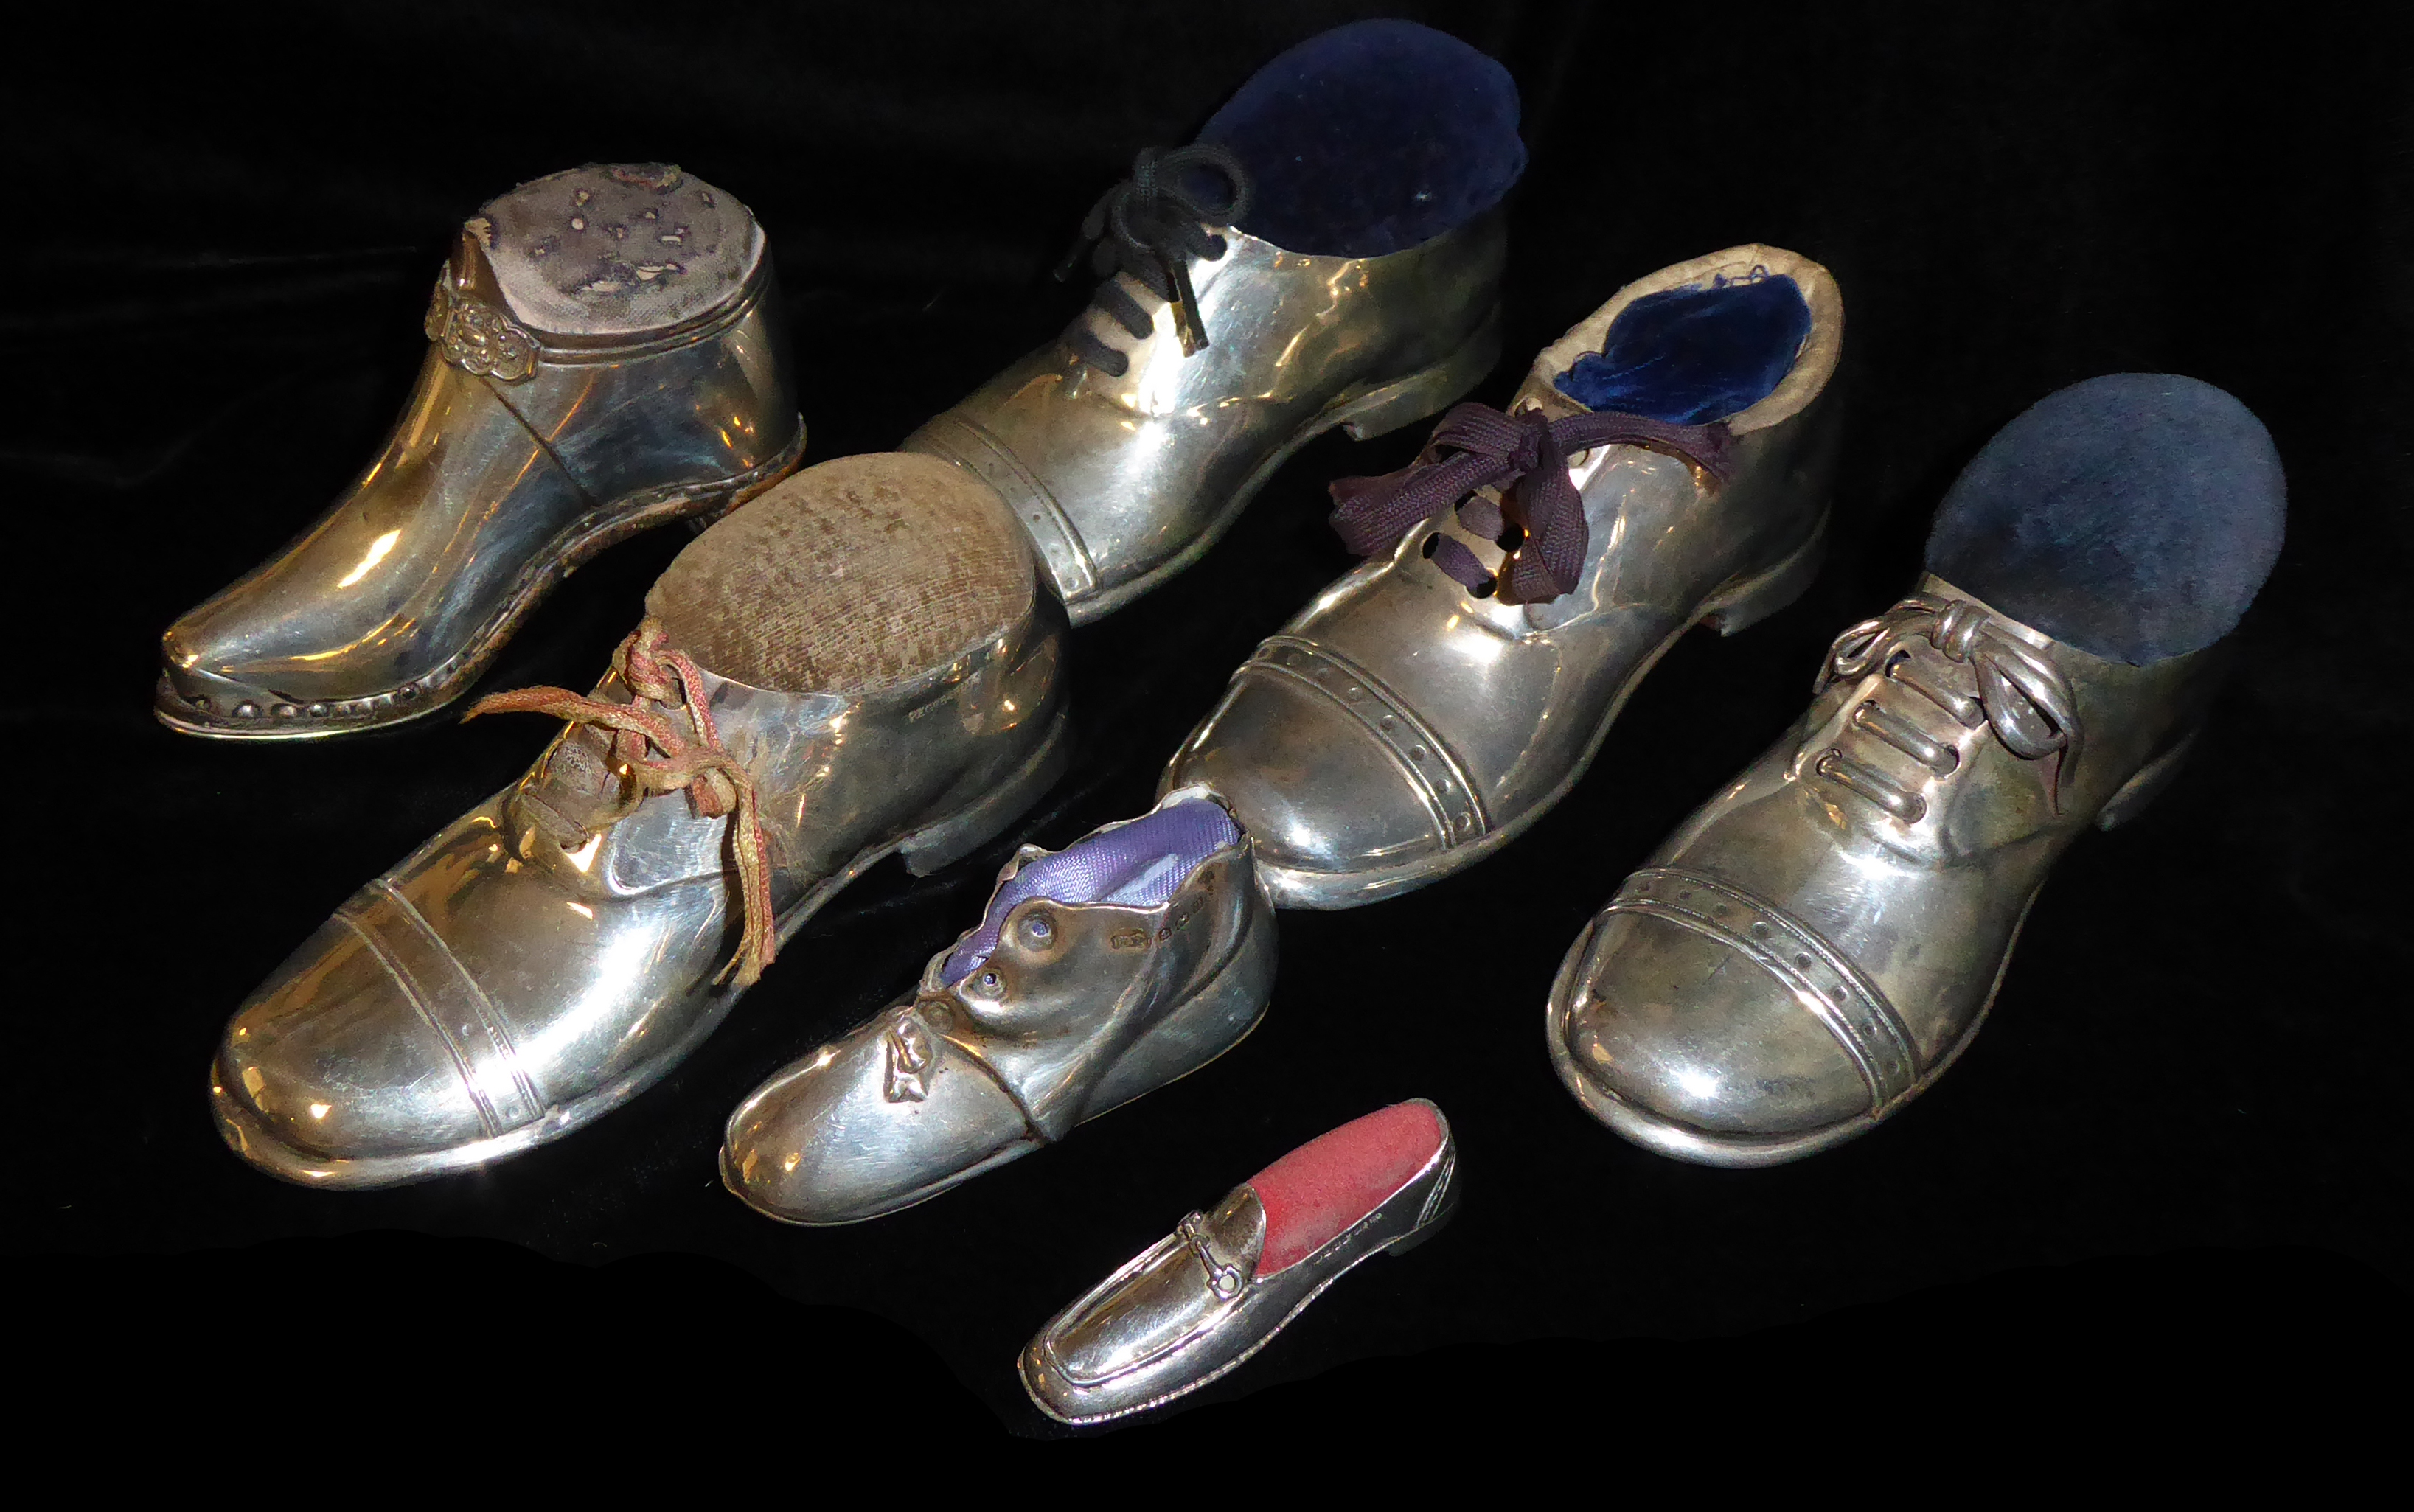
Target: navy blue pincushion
1371	137
2133	515
1690	356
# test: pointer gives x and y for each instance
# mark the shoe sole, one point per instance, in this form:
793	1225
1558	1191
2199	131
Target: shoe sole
926	849
593	533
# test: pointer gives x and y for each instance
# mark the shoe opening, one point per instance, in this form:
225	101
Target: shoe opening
1371	137
854	574
1139	864
2134	516
1690	356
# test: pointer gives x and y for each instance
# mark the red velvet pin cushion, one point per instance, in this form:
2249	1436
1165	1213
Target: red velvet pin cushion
1318	1191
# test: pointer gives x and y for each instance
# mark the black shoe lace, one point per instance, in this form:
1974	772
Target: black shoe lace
1150	225
1523	457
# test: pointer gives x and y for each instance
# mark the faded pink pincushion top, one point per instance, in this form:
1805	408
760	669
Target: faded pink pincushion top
1321	1188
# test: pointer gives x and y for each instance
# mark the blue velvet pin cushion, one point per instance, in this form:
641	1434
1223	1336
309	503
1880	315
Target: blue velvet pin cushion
2133	515
1371	137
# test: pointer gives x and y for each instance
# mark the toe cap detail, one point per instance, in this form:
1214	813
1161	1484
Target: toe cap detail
854	1130
1332	774
1703	1006
337	1056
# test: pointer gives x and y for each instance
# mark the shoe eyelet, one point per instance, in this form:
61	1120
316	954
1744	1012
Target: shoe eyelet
1039	929
988	981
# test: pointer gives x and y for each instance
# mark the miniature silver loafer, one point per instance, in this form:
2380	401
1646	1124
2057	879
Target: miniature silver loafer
862	662
1204	1300
1097	974
605	354
1126	471
1522	579
1815	946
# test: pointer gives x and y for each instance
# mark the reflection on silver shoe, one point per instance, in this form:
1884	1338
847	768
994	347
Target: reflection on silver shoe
1123	476
1097	974
1815	945
1213	1292
860	662
605	354
1434	702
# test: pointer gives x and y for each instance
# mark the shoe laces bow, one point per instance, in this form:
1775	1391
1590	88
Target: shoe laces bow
714	782
1150	225
1522	457
2021	696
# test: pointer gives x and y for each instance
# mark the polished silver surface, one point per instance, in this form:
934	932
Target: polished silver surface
1195	1306
540	962
1401	728
526	448
1815	945
1121	482
1081	1008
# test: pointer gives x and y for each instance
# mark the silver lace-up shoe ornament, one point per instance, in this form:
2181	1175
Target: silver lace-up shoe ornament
1526	574
1217	1290
1104	971
1819	942
860	664
1211	353
605	354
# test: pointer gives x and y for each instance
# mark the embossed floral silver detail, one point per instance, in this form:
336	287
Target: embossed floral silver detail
478	338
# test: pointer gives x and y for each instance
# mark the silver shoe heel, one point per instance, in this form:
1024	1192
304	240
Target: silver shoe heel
1447	1208
1743	605
1203	1030
1425	394
2148	784
967	830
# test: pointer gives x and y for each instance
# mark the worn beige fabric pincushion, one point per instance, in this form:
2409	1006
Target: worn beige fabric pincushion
852	575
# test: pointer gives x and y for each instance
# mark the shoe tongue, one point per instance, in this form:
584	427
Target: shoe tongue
1542	393
580	778
1138	865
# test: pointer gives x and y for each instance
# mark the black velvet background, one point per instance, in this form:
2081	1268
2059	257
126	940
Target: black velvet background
2177	1151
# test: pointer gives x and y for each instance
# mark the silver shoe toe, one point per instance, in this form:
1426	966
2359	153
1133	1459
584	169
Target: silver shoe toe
1098	973
1199	1302
337	1053
605	354
1685	1033
563	945
851	1133
1817	943
1284	743
1408	724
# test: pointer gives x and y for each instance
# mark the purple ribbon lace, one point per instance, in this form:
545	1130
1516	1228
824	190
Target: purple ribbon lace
1509	452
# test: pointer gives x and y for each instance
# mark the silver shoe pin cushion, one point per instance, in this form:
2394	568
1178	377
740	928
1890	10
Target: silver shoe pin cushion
1097	974
1198	1303
862	662
1407	725
605	354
